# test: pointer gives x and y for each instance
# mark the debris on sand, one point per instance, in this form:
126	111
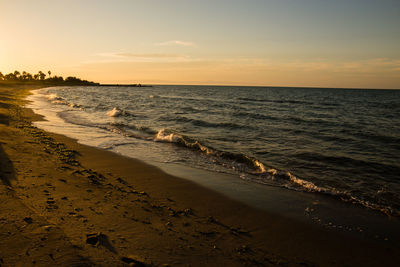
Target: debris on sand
135	261
99	239
28	220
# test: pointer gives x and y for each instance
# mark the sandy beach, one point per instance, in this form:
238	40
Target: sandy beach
67	204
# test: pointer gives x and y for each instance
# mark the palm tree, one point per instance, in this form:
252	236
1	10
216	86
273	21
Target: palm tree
24	75
17	75
1	76
9	77
49	72
41	75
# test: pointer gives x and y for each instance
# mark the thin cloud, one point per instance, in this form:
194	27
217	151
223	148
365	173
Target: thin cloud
177	43
135	55
132	55
112	57
374	65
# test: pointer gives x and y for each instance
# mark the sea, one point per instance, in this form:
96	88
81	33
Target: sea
343	144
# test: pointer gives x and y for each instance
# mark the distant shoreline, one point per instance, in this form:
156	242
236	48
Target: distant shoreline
47	83
278	86
125	85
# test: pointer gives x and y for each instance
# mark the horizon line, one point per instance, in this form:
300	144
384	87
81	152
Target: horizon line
272	86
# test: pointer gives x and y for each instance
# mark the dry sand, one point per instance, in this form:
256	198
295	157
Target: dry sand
62	203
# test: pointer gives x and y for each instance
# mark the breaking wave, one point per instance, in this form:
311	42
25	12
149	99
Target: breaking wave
115	112
266	175
250	132
237	161
58	100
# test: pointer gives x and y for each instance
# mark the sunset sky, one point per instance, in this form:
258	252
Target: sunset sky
340	43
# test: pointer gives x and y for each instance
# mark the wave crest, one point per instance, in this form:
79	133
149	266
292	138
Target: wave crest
53	97
115	112
58	100
236	161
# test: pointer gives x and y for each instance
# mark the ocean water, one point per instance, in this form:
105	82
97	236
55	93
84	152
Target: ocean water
343	143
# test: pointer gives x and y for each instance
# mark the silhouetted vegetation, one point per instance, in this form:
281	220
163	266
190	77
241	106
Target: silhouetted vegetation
17	77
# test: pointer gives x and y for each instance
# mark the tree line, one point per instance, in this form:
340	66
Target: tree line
40	78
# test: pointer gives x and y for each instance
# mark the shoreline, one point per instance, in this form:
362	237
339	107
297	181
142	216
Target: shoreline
322	208
144	214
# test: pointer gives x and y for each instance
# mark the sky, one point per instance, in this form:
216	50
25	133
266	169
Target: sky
325	43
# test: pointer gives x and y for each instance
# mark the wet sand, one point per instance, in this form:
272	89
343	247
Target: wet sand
62	203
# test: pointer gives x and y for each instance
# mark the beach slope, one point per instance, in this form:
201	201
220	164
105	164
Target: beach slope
62	203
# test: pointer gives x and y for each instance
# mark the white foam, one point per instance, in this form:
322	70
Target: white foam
202	148
115	112
72	105
59	102
305	184
261	166
166	136
271	171
53	97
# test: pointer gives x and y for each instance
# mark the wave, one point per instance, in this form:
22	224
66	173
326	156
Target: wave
188	98
291	182
274	101
236	161
342	195
353	163
217	124
245	164
115	112
268	175
58	100
290	119
382	138
131	127
154	96
202	123
256	168
256	116
52	97
55	99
